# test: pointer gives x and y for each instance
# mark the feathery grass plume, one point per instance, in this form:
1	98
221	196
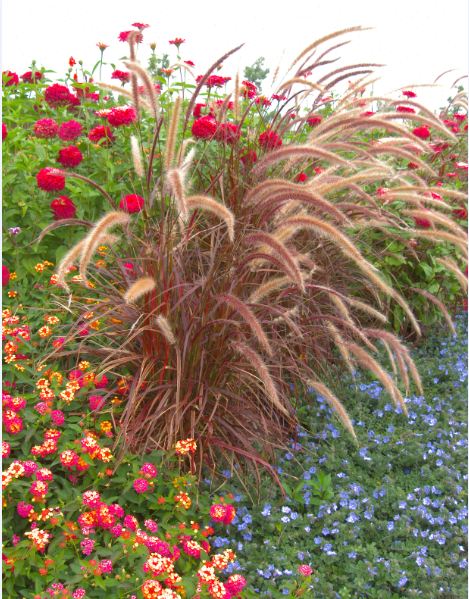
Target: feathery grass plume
201	202
132	39
367	176
70	257
141	287
364	358
323	39
401	153
366	308
349	249
437	234
340	344
136	156
236	98
176	182
298	152
149	87
268	287
263	373
335	404
249	317
414	198
93	239
454	268
122	92
184	161
172	133
281	252
163	324
399	349
440	219
452	193
350	67
440	305
292	82
433	122
392	362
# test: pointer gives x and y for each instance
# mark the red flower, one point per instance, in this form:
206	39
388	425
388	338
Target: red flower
405	109
314	120
214	80
121	116
123	76
124	36
227	133
4	131
409	94
101	132
197	112
301	177
278	97
269	140
423	132
189	63
132	203
50	179
10	78
30	77
248	89
45	128
5	275
305	570
422	222
59	95
70	156
71	61
204	128
263	101
249	157
460	212
100	382
412	165
63	207
70	130
177	41
140	25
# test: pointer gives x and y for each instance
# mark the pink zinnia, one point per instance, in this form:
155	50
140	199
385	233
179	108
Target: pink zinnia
305	570
45	128
70	130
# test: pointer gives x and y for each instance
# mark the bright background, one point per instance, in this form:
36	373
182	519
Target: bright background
416	39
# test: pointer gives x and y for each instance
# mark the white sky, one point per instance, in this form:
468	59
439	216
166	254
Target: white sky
416	39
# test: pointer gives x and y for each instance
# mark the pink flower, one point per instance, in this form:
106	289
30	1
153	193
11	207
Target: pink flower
305	570
70	156
91	499
4	131
100	382
220	512
96	402
123	76
121	115
87	546
130	522
24	509
149	470
235	584
140	485
45	128
6	449
151	525
70	130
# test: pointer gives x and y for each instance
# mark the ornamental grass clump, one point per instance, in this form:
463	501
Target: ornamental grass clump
230	284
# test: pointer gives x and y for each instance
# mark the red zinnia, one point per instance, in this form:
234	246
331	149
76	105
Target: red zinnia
214	80
409	94
70	130
10	78
123	76
59	95
301	177
132	203
460	212
204	128
423	132
70	156
30	77
121	115
50	179
140	25
269	140
101	132
4	131
177	41
45	128
248	89
197	112
63	207
405	109
422	222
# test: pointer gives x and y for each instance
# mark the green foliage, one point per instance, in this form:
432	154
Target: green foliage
256	73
